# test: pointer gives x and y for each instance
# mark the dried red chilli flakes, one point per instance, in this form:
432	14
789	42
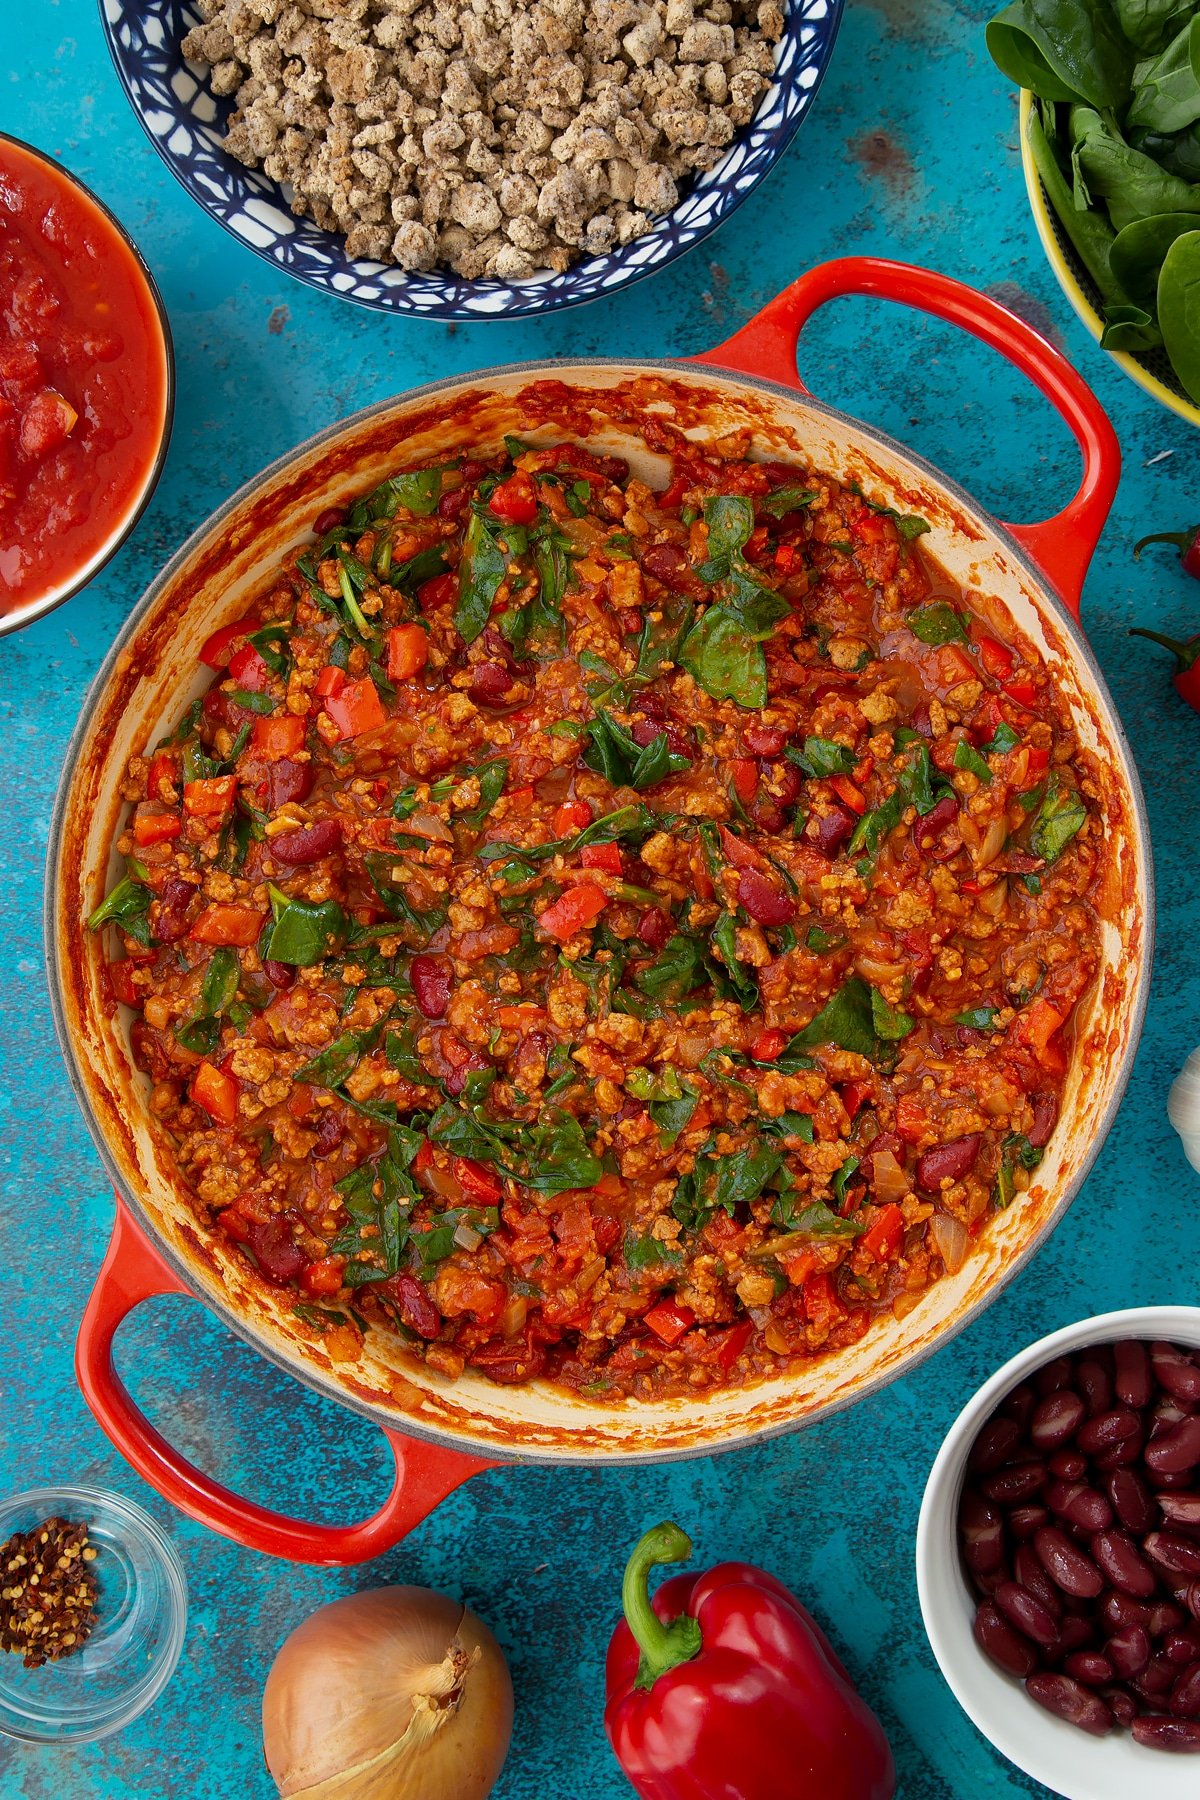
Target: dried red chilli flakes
47	1592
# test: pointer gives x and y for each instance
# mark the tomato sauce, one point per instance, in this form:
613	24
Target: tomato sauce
84	381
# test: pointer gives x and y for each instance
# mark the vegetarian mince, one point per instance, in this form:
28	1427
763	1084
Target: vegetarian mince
496	136
623	935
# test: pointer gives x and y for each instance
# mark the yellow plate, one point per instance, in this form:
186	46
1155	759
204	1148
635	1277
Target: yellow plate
1151	371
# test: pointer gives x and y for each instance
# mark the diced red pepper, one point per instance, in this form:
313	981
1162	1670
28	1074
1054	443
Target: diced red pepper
855	1094
156	827
954	665
276	739
768	1045
162	768
408	652
850	794
884	1236
798	1265
422	1159
323	1276
248	669
216	1092
1024	692
576	910
210	800
1037	759
356	708
602	856
970	886
997	658
231	925
120	982
331	680
439	590
216	650
821	1302
732	1342
571	816
785	556
476	1180
669	1320
912	1120
514	500
745	779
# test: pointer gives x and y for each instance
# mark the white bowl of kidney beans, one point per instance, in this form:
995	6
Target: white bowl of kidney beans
1058	1557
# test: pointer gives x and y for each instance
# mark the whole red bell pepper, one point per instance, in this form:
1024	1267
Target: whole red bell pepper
1186	651
725	1688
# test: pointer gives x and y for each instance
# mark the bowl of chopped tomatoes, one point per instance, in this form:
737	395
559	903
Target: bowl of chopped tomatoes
599	911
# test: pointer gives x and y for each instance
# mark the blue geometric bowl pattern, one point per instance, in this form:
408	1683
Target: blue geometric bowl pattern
185	123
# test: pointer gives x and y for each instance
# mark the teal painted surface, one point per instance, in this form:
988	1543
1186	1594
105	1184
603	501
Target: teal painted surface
911	151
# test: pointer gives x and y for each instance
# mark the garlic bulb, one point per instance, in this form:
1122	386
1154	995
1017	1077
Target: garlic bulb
1183	1107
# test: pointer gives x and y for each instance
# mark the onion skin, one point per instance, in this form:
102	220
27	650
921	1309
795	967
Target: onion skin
396	1693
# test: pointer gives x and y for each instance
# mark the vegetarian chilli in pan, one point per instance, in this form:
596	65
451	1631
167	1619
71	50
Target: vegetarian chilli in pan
625	936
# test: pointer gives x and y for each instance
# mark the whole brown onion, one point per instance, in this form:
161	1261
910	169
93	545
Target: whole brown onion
396	1693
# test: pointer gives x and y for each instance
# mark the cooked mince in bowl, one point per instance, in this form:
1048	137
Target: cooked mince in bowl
620	935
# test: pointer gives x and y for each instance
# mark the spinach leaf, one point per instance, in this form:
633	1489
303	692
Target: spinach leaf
785	500
1179	308
492	777
1005	738
741	1178
272	645
967	757
818	1220
482	569
202	1033
630	821
1134	185
842	1179
938	623
1063	50
745	988
821	757
1060	816
671	1102
1166	93
1090	235
379	1197
550	1156
1144	22
723	650
677	970
616	754
302	933
819	941
857	1018
379	867
340	1059
438	1241
129	907
1016	1152
417	491
875	826
408	576
645	1253
730	520
789	1124
977	1018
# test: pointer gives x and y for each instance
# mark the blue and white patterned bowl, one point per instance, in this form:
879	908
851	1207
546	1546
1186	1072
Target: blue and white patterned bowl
185	123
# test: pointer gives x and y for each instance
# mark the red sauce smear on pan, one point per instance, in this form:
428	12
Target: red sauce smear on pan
83	379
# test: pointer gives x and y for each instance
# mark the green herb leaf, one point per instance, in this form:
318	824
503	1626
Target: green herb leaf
938	623
128	906
1016	1152
1061	814
482	569
741	980
677	970
549	1157
821	757
616	754
302	933
647	1252
977	1018
967	757
1005	739
492	777
841	1180
785	500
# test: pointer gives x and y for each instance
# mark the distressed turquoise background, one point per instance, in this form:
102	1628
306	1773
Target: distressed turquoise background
911	151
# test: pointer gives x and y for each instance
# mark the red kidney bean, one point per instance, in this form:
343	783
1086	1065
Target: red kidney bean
995	1445
1079	1505
987	1584
1019	1481
945	1162
1180	1510
1023	1521
276	1252
287	780
280	975
1067	1566
170	918
1128	1650
1166	1415
1045	1118
1184	1702
1019	1405
1105	1429
654	927
1176	1372
1189	1596
1177	1449
330	1132
1095	1384
415	1307
982	1532
1172	1551
1131	1500
1056	1419
1054	1375
1124	1706
1089	1666
828	831
1181	1647
1068	1700
308	845
1131	1373
997	1639
1159	1733
1162	1482
1165	1617
1158	1678
491	683
1029	1573
1068	1465
1119	1610
1120	1456
1123	1563
432	979
1074	1633
1023	1610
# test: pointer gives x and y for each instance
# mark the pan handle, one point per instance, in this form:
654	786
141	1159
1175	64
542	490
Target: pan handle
134	1271
1061	547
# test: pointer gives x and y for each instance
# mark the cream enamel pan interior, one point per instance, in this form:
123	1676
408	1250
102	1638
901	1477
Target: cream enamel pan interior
152	673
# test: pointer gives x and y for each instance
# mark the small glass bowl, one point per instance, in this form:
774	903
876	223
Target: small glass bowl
141	1615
